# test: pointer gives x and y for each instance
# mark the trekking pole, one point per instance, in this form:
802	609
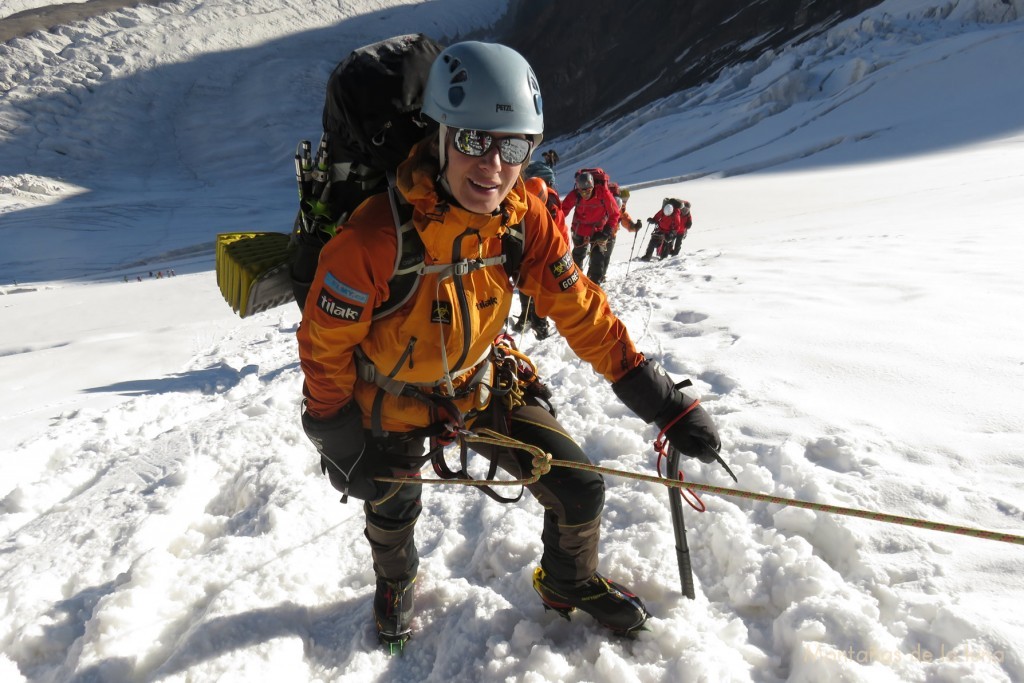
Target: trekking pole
302	167
675	499
321	178
629	263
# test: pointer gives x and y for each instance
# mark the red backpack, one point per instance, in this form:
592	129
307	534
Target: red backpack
600	177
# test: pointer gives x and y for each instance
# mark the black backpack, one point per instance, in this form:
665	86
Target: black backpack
371	120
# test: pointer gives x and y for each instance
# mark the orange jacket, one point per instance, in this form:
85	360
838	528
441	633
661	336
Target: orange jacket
352	280
625	221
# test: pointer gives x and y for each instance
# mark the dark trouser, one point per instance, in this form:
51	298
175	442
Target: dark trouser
572	501
528	313
579	249
656	245
675	244
600	256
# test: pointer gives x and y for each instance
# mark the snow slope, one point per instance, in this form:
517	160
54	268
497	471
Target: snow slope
846	301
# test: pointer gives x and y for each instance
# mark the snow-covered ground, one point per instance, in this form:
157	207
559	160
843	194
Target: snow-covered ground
845	301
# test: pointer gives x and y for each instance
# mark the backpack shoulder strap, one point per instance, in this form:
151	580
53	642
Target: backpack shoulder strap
512	246
409	255
405	275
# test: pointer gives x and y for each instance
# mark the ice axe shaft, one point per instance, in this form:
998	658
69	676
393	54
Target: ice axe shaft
675	497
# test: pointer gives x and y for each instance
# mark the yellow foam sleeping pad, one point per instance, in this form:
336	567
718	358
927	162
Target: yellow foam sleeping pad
252	270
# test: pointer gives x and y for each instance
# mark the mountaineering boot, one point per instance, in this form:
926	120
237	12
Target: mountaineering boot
519	324
611	604
542	331
392	610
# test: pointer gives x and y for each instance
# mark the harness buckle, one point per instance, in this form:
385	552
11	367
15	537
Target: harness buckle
465	267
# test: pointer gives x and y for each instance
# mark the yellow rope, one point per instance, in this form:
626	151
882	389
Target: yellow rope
543	462
540	465
793	502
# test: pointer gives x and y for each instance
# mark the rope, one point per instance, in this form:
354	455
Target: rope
543	462
793	502
540	465
661	443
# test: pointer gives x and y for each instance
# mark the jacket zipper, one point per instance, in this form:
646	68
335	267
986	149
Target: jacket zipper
405	354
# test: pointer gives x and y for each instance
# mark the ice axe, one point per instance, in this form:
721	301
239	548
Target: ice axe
675	498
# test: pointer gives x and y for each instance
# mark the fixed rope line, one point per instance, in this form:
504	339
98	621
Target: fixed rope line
543	462
793	502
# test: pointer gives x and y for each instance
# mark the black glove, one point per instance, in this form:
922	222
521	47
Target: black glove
651	221
636	226
341	442
649	392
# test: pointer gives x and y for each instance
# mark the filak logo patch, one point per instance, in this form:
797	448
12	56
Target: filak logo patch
487	303
336	308
441	312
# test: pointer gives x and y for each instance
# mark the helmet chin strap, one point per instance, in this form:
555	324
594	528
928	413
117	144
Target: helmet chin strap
442	157
442	144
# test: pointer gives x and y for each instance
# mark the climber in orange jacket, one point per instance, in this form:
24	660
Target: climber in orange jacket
380	380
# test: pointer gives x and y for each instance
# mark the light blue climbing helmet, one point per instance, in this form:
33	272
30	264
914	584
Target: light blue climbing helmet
484	86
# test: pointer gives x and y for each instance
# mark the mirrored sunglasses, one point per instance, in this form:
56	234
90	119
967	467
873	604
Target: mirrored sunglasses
476	143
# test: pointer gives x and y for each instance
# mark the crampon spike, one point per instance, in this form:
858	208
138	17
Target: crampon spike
394	645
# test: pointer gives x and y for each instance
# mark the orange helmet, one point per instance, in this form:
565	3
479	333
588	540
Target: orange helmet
538	187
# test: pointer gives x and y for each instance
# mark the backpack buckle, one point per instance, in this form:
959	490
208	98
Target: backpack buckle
466	266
